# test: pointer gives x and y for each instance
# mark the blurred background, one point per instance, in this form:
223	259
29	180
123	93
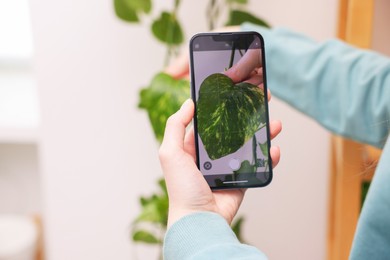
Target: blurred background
76	152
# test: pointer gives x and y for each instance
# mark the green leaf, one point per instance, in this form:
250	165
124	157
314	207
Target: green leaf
167	29
237	17
155	207
155	211
143	201
236	227
238	1
129	10
246	167
163	186
140	5
125	12
264	148
228	114
146	237
162	98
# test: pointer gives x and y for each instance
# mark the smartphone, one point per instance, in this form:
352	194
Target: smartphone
231	121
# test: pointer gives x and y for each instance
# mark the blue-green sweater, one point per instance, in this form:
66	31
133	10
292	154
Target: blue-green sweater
347	90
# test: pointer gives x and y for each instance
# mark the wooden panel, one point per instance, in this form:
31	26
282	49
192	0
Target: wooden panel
359	23
348	158
39	255
343	17
346	176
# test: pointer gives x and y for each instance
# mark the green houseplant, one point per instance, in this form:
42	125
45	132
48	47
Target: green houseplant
164	95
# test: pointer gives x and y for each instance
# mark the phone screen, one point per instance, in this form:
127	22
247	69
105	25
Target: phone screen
231	118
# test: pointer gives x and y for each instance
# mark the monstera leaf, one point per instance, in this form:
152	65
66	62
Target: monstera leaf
228	114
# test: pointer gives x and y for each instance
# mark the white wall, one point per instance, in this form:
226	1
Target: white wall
98	152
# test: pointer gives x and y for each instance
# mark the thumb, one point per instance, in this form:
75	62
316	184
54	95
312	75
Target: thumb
176	126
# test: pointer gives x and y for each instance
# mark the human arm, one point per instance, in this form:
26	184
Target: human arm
206	235
372	236
197	214
347	90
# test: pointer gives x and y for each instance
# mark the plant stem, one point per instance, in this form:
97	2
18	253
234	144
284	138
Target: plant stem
229	5
254	150
232	55
177	4
170	33
211	10
261	127
167	55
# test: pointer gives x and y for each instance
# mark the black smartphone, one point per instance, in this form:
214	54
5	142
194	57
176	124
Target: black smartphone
231	120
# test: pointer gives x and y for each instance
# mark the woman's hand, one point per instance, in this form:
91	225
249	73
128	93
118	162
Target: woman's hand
187	189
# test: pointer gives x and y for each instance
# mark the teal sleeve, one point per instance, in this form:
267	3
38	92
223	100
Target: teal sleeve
205	236
372	238
347	90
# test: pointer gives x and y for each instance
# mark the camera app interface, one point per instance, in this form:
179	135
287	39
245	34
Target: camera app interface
231	110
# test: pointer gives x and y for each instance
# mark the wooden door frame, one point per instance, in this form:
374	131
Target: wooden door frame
347	157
